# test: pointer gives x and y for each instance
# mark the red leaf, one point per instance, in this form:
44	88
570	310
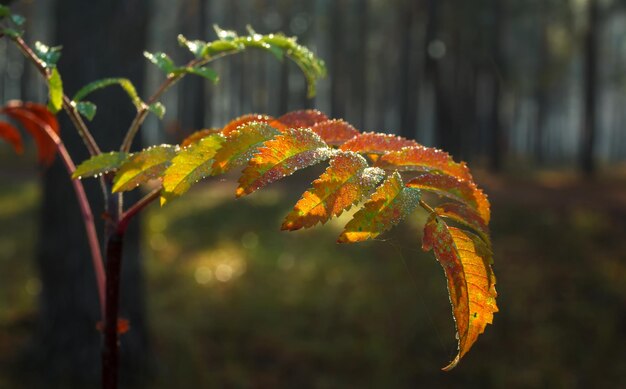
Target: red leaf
375	143
305	118
12	136
253	117
34	118
335	132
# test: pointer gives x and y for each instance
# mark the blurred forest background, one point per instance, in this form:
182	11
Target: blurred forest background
531	93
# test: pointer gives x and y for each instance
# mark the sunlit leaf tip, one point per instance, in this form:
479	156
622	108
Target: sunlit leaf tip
100	164
253	117
391	203
142	167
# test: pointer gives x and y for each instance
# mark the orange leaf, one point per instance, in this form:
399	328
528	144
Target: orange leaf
375	143
465	192
196	136
425	159
471	282
335	132
391	203
465	216
346	181
305	118
12	136
253	117
34	117
282	156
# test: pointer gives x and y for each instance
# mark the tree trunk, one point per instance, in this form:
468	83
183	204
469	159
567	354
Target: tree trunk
587	163
100	39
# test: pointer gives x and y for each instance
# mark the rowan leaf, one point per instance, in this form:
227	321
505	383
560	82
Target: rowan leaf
87	109
34	117
423	159
198	135
282	156
12	136
142	167
161	60
335	132
453	188
55	91
49	55
190	165
100	164
376	143
466	217
241	145
345	182
124	83
241	120
391	203
466	261
305	118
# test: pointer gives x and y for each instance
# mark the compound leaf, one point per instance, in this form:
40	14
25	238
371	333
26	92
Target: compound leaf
100	164
391	203
345	182
466	261
190	165
282	156
143	166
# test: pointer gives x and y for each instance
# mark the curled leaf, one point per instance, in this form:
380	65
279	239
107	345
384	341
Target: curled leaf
346	181
282	156
466	261
391	203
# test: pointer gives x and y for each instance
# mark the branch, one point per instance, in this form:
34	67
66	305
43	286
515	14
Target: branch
426	207
136	208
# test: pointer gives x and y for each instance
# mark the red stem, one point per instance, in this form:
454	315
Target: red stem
136	208
110	351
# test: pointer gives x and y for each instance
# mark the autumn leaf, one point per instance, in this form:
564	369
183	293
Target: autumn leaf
241	144
282	156
305	118
346	181
100	164
12	136
423	159
196	136
253	117
335	132
391	203
375	143
466	261
189	166
466	217
465	192
142	167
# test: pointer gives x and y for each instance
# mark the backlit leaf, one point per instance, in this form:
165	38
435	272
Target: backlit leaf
143	166
282	156
202	71
190	165
49	55
465	192
100	164
158	109
471	282
196	136
12	136
376	143
391	203
305	118
346	181
124	83
241	145
424	159
335	132
465	216
87	109
253	117
55	91
161	60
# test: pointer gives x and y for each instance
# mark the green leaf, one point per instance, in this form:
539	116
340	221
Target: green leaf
204	71
18	19
391	203
189	166
125	83
100	164
55	91
158	109
4	11
87	109
143	167
226	35
220	47
197	47
11	32
49	55
162	61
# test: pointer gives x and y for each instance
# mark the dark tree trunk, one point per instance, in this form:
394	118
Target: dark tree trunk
587	163
100	39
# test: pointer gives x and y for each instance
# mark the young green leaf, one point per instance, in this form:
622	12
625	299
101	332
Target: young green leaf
87	109
49	55
466	261
241	145
158	109
143	167
189	166
18	20
196	47
55	91
346	181
282	156
226	35
124	83
465	192
335	132
12	136
100	164
202	71
391	203
162	61
424	159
